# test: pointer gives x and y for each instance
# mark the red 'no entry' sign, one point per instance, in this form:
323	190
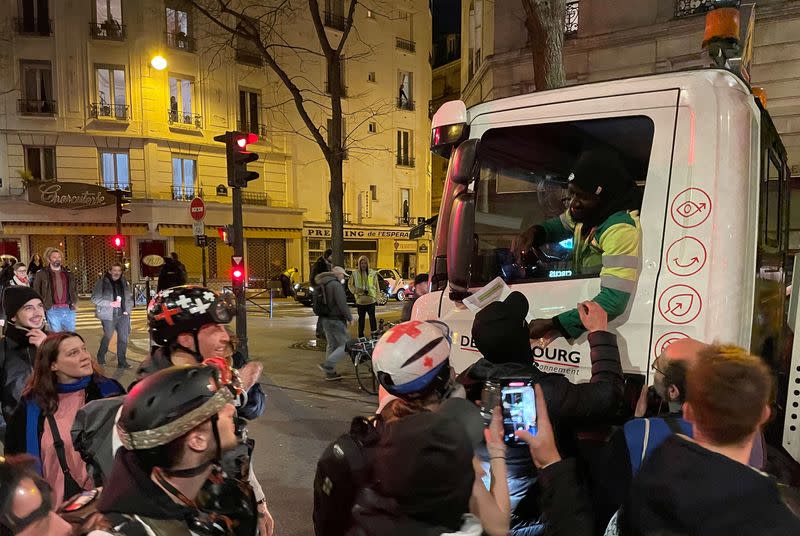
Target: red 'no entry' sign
197	209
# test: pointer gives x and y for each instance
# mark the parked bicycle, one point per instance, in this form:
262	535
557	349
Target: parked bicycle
360	351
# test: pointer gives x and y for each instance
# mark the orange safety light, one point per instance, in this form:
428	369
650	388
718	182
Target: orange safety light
761	94
722	24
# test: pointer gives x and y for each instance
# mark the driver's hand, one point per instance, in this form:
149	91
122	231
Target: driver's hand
543	331
522	243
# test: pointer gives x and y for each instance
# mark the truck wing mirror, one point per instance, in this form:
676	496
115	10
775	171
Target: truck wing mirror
461	245
464	162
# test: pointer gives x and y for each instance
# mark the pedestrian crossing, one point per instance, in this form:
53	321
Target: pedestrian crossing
85	319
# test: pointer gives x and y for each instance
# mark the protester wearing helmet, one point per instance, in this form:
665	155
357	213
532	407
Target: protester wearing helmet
174	426
26	508
188	325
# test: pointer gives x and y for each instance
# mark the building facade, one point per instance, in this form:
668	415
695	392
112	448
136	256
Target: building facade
81	101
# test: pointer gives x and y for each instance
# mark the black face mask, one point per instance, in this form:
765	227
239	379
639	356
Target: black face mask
18	524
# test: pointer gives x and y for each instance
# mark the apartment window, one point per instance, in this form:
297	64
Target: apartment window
334	14
371	76
115	170
329	76
249	111
184	178
405	41
373	191
373	128
111	93
452	45
178	27
405	205
247	52
181	111
41	162
370	14
37	89
404	148
35	19
405	95
475	36
108	20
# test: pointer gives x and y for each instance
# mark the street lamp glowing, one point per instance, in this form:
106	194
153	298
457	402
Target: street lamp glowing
159	63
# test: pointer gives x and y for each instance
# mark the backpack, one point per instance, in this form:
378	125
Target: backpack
342	471
93	436
320	302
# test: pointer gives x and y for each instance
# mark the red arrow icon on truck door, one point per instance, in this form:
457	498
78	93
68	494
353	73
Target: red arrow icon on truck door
680	304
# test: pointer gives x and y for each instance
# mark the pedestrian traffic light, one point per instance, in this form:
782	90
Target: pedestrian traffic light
118	241
237	270
238	157
226	234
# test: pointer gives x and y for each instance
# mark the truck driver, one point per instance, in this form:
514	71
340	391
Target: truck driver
603	220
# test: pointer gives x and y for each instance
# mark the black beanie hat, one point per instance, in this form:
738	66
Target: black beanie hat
602	173
500	331
424	463
15	297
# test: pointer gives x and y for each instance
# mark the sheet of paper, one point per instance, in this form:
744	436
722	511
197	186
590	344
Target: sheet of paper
495	290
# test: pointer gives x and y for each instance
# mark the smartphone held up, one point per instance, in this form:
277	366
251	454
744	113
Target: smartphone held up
519	410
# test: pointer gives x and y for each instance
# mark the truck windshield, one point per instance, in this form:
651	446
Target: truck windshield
523	182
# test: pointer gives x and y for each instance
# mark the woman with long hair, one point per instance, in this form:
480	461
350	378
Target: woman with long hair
35	265
364	286
64	379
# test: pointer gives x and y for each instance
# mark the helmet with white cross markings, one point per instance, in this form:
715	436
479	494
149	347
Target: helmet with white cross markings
186	309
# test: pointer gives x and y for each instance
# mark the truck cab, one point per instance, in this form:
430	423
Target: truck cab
712	180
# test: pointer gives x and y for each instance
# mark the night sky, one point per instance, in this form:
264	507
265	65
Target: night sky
446	17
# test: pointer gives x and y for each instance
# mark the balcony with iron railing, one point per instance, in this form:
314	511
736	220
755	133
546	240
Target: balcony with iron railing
255	198
342	93
405	104
405	160
108	185
186	193
571	19
687	8
346	216
334	20
183	119
249	57
36	107
34	26
181	41
253	127
405	220
113	111
110	29
405	44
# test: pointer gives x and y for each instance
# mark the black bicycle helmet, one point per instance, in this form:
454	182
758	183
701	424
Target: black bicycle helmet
169	403
186	309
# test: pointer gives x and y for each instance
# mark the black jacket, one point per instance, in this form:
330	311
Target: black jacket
320	266
172	274
684	488
565	505
130	491
16	366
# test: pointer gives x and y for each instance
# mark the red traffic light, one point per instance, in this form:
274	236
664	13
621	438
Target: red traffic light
118	241
246	139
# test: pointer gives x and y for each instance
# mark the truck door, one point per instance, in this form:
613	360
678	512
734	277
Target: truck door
525	157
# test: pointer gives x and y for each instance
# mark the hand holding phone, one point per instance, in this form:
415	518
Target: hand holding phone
542	444
519	410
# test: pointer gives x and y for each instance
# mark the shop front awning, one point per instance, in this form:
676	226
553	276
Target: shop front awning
66	228
173	229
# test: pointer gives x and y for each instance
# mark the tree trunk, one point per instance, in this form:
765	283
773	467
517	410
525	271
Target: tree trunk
544	20
336	146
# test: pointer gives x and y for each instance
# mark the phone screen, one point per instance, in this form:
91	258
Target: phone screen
519	410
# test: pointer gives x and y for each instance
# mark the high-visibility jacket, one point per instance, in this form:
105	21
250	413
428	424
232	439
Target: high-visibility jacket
613	249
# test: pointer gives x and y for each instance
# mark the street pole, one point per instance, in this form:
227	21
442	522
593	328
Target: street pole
118	195
238	288
203	260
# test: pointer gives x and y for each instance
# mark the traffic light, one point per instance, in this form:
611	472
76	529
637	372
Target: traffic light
238	157
118	241
237	271
226	234
122	200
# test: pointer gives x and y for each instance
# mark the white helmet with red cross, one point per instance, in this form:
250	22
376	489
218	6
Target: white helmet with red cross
412	359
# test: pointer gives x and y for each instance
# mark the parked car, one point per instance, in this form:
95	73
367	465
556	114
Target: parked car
398	287
304	292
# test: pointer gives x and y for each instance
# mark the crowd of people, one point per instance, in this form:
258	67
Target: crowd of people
169	454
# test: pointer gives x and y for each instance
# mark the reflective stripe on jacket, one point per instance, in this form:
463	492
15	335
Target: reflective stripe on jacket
613	249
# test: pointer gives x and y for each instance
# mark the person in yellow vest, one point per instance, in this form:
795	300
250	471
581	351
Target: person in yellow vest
287	282
603	221
364	286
